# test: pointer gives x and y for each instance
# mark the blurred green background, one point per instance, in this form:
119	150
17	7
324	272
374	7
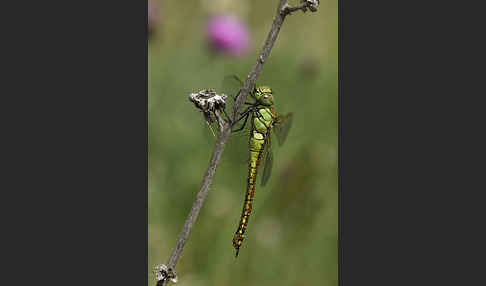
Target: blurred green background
292	234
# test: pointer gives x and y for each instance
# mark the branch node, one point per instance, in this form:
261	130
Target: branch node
285	9
261	59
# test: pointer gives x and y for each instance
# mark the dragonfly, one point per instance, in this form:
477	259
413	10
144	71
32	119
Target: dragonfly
263	121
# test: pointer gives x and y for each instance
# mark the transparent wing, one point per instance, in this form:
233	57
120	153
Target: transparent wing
237	145
281	130
231	85
268	161
282	127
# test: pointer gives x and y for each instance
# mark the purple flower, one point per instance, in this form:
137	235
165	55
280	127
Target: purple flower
228	34
153	17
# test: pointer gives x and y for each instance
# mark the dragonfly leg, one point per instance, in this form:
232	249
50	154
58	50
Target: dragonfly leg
236	98
244	123
243	114
233	123
260	116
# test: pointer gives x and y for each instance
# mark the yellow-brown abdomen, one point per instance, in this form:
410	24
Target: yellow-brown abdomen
257	144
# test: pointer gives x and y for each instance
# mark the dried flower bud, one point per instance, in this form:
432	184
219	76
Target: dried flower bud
208	100
312	4
162	273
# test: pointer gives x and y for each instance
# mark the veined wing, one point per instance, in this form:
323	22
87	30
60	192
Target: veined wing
281	129
231	85
237	145
268	160
282	126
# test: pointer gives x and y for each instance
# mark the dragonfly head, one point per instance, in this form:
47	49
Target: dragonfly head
264	95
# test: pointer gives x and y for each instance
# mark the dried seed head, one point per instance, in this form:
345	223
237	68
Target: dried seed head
208	100
313	4
163	273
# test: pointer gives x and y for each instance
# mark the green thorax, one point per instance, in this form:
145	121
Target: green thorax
263	119
264	113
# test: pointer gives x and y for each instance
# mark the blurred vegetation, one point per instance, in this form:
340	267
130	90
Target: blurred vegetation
292	234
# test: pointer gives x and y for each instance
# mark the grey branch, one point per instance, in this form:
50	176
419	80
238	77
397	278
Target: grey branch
283	10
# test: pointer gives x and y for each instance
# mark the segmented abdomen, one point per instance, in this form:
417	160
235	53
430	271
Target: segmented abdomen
261	125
